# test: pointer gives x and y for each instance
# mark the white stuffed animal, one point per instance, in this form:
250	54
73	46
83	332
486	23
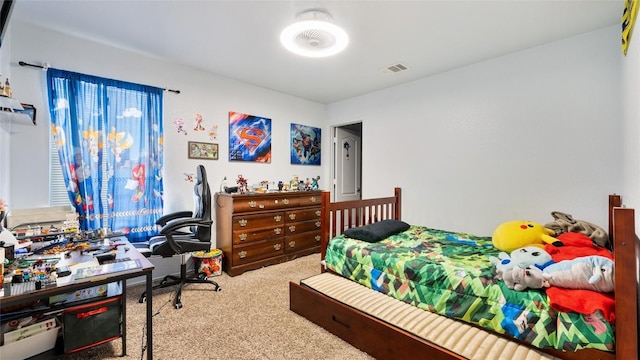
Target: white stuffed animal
523	257
588	272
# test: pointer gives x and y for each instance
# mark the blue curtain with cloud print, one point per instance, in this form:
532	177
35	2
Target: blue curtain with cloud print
109	138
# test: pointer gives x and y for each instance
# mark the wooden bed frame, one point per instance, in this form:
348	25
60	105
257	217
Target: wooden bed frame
386	341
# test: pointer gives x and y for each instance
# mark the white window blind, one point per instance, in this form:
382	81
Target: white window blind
57	188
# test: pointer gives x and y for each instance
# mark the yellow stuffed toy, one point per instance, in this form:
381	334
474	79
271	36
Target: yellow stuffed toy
515	234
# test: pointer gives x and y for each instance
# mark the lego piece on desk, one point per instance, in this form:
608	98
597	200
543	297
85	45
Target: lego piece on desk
63	271
102	258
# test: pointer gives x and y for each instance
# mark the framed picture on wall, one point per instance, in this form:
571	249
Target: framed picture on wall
202	150
249	138
29	110
305	145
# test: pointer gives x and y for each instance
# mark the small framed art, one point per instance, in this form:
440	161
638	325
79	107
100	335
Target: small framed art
202	150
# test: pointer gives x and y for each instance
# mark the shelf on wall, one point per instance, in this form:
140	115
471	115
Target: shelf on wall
11	112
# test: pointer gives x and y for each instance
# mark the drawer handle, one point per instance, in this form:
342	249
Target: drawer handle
317	238
261	206
318	212
242	254
292	244
252	204
243	237
292	228
277	231
91	313
277	218
285	201
312	199
277	247
318	224
242	222
292	216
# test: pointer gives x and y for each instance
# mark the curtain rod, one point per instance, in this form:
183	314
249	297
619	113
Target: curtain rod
46	66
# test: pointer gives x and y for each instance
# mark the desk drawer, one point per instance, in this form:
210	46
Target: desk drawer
92	324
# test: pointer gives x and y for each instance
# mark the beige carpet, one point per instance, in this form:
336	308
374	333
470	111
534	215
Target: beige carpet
248	319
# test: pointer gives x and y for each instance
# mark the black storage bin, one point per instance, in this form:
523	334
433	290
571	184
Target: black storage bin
92	324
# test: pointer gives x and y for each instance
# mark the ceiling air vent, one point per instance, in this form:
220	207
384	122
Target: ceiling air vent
395	68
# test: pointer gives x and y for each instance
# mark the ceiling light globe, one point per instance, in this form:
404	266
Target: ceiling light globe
299	38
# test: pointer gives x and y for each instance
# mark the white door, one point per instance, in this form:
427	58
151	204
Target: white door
347	163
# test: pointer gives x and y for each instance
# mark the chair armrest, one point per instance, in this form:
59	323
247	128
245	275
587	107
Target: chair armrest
172	216
169	230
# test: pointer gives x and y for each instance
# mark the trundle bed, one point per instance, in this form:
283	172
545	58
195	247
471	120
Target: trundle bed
387	328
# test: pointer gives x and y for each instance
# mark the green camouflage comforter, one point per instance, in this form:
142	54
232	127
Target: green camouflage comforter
450	274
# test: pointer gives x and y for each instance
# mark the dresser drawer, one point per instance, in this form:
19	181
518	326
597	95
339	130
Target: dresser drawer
302	226
299	242
310	199
259	204
244	236
243	254
302	215
240	222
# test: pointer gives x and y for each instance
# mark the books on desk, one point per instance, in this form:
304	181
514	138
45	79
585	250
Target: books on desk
98	272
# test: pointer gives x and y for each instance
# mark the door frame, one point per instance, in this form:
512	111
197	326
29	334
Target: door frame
355	126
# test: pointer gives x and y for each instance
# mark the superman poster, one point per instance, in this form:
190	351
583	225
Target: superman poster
305	145
249	138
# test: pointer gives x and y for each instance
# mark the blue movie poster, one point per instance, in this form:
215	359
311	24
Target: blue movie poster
305	145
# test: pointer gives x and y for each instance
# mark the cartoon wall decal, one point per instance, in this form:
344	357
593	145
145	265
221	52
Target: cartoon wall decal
213	132
180	126
198	123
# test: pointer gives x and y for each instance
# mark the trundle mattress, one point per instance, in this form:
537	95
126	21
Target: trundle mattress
463	339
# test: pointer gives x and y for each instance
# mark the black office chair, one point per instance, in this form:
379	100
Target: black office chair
182	233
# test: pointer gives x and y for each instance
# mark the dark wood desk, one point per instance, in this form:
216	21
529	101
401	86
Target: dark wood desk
126	250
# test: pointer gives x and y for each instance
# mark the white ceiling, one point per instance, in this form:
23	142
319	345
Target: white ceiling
240	39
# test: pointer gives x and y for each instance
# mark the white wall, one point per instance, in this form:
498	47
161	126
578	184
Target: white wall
630	82
5	127
514	137
208	94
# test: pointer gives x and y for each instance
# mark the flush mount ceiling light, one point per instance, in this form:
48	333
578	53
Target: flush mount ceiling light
314	35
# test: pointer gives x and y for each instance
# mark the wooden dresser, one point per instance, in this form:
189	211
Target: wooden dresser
254	230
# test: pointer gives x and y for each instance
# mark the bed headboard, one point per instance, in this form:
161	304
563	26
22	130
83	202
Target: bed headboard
342	215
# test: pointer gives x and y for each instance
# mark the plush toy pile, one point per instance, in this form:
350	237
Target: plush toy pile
567	258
